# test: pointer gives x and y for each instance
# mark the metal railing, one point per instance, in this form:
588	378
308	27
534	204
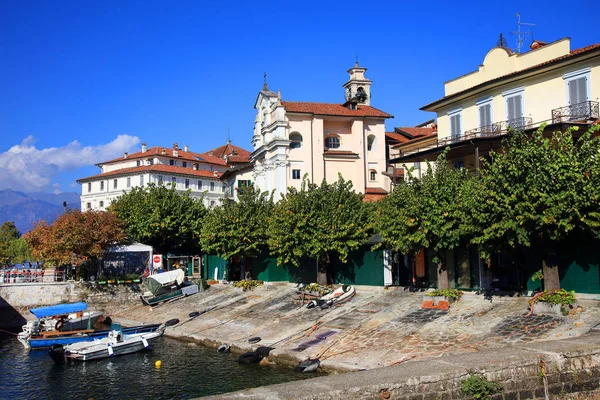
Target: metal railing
495	129
576	112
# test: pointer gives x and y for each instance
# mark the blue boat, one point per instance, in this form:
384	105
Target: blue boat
41	342
65	324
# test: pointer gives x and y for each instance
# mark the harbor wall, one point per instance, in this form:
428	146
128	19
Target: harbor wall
524	372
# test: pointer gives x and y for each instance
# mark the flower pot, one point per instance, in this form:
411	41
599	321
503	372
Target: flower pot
128	281
101	282
137	280
120	281
111	281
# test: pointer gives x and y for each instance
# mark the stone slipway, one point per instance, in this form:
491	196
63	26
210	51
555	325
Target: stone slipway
377	328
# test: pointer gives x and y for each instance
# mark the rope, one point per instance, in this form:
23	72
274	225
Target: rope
12	333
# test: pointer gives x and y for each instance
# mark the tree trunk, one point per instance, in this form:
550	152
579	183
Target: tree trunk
550	271
443	281
322	273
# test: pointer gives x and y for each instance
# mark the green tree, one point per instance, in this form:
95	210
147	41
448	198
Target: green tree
430	213
19	251
8	233
318	222
536	192
238	228
161	217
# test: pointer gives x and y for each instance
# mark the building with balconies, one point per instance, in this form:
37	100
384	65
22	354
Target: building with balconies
199	173
549	84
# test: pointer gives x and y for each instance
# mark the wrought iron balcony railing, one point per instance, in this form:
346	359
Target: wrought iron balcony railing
576	112
495	129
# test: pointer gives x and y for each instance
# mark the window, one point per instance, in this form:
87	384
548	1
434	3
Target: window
485	114
295	174
137	163
142	180
212	203
174	181
199	185
212	186
514	107
332	142
102	185
460	164
578	86
171	162
151	161
455	122
114	183
187	183
160	181
372	175
101	204
296	140
88	206
184	163
370	142
89	187
128	181
244	183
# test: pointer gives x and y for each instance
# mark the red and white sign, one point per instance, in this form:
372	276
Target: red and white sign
157	261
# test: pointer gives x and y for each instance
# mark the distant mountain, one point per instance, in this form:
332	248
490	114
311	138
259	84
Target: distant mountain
26	208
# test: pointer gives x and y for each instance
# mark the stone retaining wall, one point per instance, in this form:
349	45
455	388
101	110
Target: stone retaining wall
567	366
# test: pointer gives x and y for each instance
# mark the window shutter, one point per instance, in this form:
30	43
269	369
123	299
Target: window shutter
239	183
455	125
488	114
482	120
582	89
518	106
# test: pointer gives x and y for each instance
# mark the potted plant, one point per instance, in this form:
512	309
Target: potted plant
441	298
559	302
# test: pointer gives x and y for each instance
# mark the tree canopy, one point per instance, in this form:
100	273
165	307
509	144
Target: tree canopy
161	217
238	228
428	213
318	222
8	233
75	237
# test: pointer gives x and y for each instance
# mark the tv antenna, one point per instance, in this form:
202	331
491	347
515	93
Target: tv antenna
521	36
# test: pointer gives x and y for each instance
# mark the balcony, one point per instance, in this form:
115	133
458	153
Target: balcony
588	110
495	129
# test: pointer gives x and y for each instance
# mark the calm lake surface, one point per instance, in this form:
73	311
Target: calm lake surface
187	371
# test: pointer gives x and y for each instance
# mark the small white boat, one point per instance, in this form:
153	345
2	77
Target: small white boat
116	344
340	295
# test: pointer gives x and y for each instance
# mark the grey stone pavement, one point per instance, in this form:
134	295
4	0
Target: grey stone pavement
377	328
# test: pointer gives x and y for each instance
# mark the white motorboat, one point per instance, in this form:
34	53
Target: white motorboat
340	295
115	344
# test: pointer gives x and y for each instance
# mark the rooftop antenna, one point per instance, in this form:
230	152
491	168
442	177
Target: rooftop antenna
357	60
265	84
228	139
521	36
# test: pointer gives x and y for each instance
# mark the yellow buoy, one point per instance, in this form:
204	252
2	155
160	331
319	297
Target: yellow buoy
158	363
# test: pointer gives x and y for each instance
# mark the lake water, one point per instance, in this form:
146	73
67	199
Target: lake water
188	371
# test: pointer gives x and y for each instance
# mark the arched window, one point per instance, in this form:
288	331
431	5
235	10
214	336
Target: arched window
332	142
296	140
372	175
370	142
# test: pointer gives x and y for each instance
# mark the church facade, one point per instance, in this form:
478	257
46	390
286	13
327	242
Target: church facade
294	140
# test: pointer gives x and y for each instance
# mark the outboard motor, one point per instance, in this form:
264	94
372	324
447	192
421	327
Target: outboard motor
57	353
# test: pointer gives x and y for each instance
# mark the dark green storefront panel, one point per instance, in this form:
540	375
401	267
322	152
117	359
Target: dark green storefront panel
212	261
578	263
364	267
265	268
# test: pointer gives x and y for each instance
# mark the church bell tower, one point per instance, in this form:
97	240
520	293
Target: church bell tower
358	88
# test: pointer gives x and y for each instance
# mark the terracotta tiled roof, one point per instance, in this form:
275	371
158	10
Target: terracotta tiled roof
228	149
572	53
183	155
239	159
375	191
413	133
333	109
396	136
156	168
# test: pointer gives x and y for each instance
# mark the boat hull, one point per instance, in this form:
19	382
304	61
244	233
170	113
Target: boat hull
85	322
67	339
104	348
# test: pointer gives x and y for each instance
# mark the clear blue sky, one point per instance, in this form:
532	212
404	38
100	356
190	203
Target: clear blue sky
112	74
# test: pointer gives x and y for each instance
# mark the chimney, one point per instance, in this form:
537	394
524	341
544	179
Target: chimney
125	155
186	148
164	151
175	146
175	152
536	44
144	147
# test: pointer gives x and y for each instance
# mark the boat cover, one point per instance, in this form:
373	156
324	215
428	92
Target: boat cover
59	309
157	281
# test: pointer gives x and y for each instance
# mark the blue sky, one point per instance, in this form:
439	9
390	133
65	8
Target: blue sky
81	82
